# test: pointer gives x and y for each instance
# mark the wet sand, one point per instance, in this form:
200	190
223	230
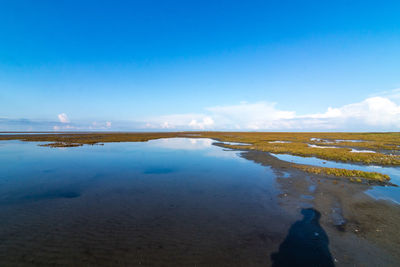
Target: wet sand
361	230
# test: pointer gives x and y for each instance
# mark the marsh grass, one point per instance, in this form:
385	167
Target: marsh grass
352	175
61	144
299	145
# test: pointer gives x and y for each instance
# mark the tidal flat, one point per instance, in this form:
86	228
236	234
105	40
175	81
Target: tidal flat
198	199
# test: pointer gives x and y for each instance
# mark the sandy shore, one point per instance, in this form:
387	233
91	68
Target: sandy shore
361	230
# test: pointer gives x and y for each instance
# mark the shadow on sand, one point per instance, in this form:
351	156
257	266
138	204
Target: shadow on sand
306	244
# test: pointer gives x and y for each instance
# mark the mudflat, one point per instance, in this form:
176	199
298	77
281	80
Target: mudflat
361	229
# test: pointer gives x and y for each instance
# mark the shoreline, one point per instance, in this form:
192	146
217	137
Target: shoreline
254	141
282	143
355	222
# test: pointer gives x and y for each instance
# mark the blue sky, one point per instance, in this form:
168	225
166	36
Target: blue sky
194	65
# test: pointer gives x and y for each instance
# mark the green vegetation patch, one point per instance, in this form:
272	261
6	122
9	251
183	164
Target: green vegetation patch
299	145
352	175
61	144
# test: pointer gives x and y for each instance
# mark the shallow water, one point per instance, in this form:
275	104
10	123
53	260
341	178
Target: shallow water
177	201
29	133
378	192
317	146
352	141
279	142
234	143
353	150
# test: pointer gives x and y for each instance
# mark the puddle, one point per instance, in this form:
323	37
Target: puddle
234	143
361	151
352	141
316	146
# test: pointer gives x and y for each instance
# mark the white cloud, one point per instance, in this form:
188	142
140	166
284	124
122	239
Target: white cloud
377	113
254	116
373	114
180	121
93	126
100	125
206	122
63	118
64	128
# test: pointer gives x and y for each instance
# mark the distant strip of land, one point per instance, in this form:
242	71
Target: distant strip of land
360	148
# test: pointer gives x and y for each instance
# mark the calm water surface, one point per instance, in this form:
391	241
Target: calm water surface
176	201
166	202
21	133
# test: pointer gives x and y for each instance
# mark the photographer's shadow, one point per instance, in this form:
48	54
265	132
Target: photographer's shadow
307	244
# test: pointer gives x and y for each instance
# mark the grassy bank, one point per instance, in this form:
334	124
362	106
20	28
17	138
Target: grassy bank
298	144
352	175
